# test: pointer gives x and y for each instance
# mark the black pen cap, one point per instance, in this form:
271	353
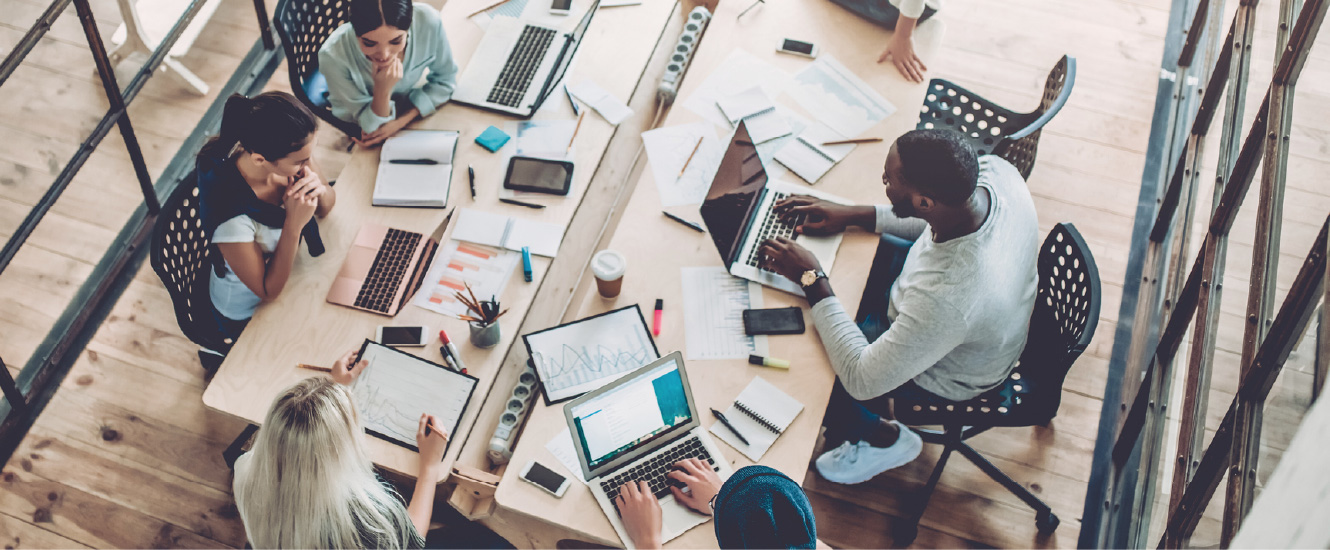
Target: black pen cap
660	304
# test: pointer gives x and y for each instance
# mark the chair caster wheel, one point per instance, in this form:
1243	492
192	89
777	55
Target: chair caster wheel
1046	522
904	533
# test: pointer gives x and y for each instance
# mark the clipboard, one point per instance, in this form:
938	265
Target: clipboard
577	357
377	413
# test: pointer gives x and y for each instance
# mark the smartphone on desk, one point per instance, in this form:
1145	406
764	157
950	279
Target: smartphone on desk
551	481
413	336
784	320
560	7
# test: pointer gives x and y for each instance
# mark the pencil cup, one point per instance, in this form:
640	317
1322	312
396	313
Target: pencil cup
484	336
609	266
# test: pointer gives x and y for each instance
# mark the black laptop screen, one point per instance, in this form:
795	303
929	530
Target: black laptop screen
734	193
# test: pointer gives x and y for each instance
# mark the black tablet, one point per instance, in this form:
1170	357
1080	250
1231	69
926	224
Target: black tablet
539	175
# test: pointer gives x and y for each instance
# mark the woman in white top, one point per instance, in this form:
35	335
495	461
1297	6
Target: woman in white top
258	195
308	483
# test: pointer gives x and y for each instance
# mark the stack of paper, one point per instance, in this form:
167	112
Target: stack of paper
756	109
415	169
806	156
502	231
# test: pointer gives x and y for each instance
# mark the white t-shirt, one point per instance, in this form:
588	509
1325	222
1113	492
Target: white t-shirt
229	294
960	309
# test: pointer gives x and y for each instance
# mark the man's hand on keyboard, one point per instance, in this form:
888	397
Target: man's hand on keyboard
641	514
701	481
819	217
787	258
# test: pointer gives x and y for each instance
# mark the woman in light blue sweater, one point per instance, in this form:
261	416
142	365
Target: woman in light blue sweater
374	63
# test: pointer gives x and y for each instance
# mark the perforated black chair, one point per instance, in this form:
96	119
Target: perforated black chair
303	26
1063	323
993	129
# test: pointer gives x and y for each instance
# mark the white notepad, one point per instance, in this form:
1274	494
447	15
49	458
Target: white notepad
508	232
761	413
753	107
806	156
416	184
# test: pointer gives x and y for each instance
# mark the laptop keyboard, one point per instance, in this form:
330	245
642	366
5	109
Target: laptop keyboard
385	276
521	66
772	227
653	471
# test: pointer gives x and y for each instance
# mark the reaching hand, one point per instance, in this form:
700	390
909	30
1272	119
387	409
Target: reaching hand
345	370
787	258
901	51
819	217
370	139
641	514
702	483
431	445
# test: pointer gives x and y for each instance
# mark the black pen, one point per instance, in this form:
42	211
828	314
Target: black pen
471	172
695	227
413	161
727	424
520	203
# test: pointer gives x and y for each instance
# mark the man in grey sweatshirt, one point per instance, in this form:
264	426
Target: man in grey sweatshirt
957	313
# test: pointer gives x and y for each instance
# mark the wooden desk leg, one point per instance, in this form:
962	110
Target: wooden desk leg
237	447
474	496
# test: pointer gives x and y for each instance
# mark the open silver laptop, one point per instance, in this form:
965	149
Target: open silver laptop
518	64
738	213
635	429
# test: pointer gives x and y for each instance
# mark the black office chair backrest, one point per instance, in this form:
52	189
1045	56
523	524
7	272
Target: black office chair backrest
994	129
303	26
181	257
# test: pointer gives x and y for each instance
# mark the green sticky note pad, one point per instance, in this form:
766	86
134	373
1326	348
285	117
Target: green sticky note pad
492	138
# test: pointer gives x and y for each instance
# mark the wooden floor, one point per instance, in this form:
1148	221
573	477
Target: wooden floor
126	455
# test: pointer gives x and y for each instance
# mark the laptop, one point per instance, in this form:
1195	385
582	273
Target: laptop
739	217
635	429
384	268
518	64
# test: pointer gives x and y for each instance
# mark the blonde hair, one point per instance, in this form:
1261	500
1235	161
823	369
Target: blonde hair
310	483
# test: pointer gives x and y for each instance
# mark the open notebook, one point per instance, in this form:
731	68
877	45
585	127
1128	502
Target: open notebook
761	413
428	174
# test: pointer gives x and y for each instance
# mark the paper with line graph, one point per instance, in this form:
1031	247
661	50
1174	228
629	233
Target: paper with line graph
457	264
583	355
396	387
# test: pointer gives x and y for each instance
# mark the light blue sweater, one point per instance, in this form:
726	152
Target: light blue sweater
351	81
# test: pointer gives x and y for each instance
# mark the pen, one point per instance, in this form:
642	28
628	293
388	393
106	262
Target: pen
413	161
526	263
727	424
851	141
520	203
430	424
313	367
768	362
695	227
576	110
655	323
690	158
452	351
471	172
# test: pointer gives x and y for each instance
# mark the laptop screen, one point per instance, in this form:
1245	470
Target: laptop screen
570	49
619	420
734	193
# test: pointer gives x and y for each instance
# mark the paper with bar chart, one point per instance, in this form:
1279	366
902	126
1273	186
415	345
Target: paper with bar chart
584	355
457	264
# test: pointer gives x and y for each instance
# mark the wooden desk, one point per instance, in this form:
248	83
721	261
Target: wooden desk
657	248
301	327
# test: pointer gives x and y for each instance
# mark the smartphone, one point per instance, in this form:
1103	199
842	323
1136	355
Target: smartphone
415	336
785	320
797	47
561	7
551	481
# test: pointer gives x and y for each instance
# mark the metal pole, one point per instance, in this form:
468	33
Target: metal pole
16	400
30	39
265	30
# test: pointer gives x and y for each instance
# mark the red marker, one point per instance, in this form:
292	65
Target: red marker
655	325
452	352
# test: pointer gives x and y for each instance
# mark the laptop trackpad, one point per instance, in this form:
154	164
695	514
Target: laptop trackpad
677	518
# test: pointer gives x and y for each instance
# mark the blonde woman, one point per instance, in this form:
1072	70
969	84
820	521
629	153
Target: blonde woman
308	483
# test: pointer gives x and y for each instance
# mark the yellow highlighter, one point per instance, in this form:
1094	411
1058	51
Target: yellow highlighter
769	362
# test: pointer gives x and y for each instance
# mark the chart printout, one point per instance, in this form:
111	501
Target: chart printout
396	387
584	355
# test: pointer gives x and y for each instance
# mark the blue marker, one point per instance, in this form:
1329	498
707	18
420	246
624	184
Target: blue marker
526	263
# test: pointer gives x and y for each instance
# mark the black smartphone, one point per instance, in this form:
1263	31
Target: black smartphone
784	320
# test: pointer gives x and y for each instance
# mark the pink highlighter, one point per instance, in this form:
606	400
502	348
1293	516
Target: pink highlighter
655	324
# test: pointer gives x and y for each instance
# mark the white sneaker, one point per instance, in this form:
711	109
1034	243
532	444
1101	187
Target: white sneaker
852	463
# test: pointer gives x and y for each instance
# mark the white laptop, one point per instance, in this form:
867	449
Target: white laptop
738	213
518	64
620	437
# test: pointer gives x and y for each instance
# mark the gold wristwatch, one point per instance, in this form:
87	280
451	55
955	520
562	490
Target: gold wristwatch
811	276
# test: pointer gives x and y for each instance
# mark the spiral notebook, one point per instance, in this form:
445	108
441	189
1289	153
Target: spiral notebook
761	413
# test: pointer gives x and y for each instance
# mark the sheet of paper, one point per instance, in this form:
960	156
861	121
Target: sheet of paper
808	158
549	139
767	150
511	8
420	144
739	72
713	303
543	238
458	264
610	107
584	355
480	227
562	448
837	97
500	231
396	387
758	113
668	150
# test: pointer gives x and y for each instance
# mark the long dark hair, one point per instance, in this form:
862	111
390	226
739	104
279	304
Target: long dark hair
272	124
367	15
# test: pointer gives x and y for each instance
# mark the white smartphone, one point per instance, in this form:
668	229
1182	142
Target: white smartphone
797	47
561	7
551	481
413	336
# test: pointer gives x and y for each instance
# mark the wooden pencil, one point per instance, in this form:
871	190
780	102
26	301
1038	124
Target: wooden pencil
313	367
852	141
690	158
575	130
487	8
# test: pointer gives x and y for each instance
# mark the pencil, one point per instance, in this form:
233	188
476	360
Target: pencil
852	141
690	158
313	367
575	130
487	8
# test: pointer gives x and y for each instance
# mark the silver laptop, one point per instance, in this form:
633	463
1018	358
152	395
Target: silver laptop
738	213
636	429
518	64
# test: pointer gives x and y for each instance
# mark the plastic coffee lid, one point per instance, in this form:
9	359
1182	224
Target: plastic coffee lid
608	265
